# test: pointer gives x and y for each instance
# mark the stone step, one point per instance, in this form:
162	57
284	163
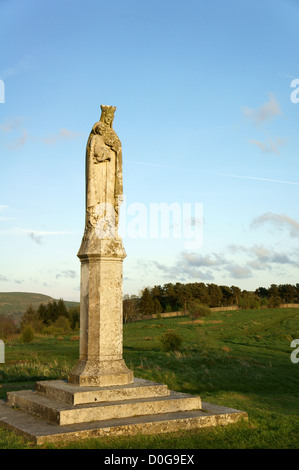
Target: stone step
63	414
39	431
76	395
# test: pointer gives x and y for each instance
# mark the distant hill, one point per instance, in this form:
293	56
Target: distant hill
14	304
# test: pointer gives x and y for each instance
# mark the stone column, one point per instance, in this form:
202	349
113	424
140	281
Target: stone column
101	254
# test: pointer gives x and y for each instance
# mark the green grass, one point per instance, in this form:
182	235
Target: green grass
239	359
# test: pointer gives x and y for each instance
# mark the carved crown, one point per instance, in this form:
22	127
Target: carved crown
108	110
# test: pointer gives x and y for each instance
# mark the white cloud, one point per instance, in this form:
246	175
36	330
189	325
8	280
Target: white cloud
181	271
19	142
6	279
62	134
266	257
240	263
12	124
239	272
36	238
16	124
270	147
69	274
280	221
35	235
194	259
266	112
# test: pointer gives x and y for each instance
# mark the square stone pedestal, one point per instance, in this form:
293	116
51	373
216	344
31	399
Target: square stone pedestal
57	411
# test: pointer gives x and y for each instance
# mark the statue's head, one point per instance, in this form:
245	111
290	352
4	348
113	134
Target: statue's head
107	115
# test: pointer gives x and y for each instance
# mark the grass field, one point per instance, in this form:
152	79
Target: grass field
239	359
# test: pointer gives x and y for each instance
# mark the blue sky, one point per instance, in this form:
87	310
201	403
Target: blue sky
204	114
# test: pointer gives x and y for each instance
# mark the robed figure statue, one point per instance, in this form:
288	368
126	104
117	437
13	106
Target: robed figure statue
101	254
104	187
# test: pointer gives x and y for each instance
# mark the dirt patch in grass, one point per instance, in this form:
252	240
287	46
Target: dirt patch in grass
201	321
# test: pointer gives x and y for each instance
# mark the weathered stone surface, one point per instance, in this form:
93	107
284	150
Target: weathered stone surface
101	254
100	373
75	395
39	431
62	413
104	186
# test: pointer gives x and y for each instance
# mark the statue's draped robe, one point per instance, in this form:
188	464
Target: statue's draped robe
104	187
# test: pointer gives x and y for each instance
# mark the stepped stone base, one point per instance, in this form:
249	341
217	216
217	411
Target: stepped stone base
76	395
57	411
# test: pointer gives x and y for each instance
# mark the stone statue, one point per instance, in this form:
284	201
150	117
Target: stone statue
101	396
101	254
104	187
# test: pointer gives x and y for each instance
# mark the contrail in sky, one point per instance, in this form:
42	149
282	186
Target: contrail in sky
258	179
255	178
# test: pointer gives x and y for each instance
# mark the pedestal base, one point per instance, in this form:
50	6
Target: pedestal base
58	411
100	374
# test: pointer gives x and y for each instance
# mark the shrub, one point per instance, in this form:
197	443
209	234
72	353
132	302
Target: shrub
7	327
249	300
31	318
274	302
36	325
197	310
27	335
52	330
62	323
171	341
74	317
59	327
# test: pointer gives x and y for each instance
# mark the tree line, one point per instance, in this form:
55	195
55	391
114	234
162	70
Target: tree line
174	297
53	317
54	313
